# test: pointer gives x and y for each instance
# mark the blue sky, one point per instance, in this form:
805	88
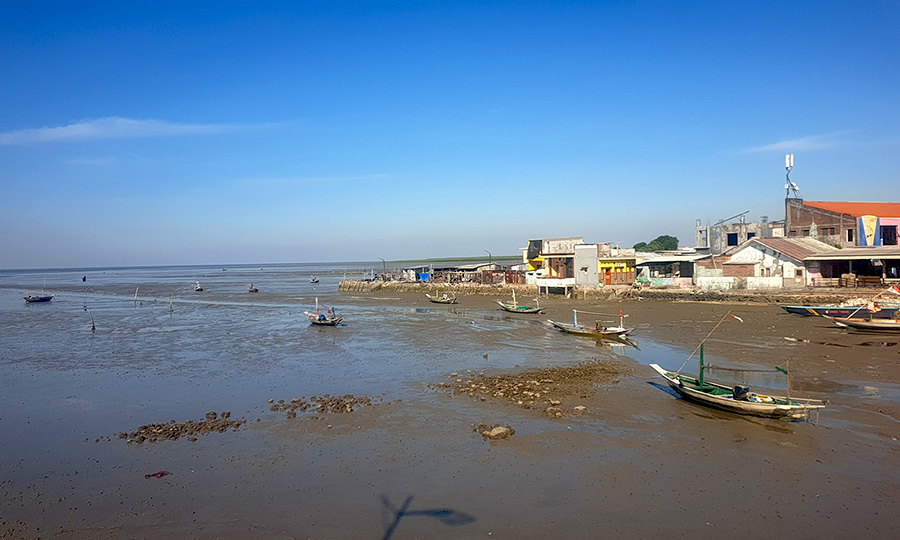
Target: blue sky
225	132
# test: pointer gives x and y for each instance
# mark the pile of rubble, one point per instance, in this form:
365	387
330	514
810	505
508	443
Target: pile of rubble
550	390
321	404
190	429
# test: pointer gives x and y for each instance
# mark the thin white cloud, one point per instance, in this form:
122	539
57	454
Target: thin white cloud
112	127
824	141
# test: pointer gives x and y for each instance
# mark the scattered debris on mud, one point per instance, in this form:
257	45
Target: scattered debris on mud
551	390
190	429
493	433
322	404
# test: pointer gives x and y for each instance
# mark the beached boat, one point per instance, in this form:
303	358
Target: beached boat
870	325
859	308
878	311
314	279
737	399
596	331
197	287
516	308
323	316
35	299
443	299
251	288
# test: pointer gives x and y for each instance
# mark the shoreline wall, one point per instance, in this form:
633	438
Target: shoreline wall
817	296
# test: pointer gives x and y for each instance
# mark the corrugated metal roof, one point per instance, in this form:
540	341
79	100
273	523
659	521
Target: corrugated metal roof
858	254
796	248
856	209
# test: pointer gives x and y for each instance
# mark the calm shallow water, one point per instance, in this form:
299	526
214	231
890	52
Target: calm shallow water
227	349
222	349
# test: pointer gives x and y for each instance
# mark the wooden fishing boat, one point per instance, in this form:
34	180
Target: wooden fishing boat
197	287
443	299
314	279
869	309
36	299
323	316
870	325
881	311
516	308
737	399
597	331
251	288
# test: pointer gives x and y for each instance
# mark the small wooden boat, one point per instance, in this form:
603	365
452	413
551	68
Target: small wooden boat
197	287
251	288
443	299
870	325
879	311
597	331
323	316
737	399
516	308
35	299
314	279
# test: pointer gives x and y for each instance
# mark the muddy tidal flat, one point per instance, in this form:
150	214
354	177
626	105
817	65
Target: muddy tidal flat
224	414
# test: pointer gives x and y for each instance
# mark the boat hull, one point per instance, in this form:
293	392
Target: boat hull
719	396
519	309
886	312
327	321
37	299
870	325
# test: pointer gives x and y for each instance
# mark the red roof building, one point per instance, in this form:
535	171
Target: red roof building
843	224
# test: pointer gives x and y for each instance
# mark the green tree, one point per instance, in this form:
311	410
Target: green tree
660	243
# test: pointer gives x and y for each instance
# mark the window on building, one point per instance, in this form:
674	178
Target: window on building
849	235
792	232
799	272
889	235
750	235
732	239
804	232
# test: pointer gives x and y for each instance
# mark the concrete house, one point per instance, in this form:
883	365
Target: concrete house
769	263
551	262
602	264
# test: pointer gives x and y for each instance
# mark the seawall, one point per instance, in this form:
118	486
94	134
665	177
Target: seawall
622	292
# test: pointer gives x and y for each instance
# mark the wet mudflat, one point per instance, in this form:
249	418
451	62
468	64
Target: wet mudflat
383	439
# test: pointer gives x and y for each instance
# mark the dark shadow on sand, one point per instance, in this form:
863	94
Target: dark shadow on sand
448	517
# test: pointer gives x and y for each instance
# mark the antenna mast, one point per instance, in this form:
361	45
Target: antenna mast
788	185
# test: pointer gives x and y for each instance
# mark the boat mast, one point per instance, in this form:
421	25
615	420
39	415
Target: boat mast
701	365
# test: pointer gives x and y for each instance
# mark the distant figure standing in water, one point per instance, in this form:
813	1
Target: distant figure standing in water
83	279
